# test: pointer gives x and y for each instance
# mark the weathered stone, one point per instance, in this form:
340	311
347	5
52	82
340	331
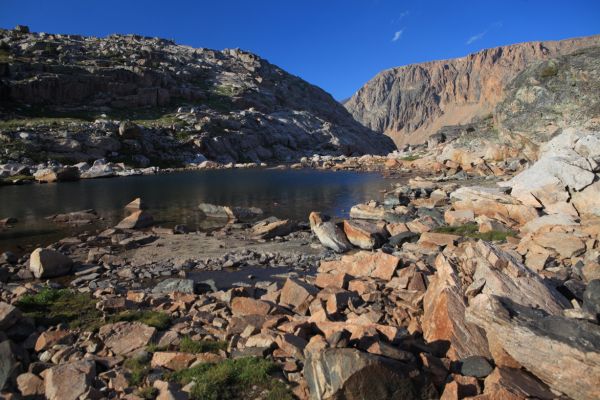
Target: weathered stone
172	285
329	234
591	298
269	230
296	293
136	204
249	306
123	338
130	130
399	239
11	362
367	211
49	175
493	203
509	383
365	235
69	381
548	220
336	279
476	366
172	360
364	264
456	218
292	345
565	244
444	322
504	275
438	239
47	263
562	352
9	315
352	374
49	338
137	220
30	384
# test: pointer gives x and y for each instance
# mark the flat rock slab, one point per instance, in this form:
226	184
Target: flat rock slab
564	353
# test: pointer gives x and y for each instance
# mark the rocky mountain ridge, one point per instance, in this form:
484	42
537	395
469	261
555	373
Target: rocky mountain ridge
412	102
230	105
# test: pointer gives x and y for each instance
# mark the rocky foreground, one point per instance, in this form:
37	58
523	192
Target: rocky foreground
437	290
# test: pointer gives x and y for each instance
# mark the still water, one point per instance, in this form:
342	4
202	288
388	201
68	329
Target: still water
173	198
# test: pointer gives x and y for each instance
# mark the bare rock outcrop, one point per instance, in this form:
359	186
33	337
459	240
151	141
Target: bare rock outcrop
562	352
412	102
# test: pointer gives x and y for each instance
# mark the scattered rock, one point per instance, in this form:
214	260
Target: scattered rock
47	263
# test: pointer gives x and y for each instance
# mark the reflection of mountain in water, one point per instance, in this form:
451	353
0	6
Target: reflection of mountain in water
173	198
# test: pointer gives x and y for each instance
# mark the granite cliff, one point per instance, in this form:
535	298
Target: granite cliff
410	103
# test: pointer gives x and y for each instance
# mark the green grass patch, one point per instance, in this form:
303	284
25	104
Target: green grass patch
138	370
411	157
147	392
188	345
18	178
471	230
157	319
232	379
55	306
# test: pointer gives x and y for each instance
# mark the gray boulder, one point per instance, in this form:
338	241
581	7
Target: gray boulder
346	373
48	263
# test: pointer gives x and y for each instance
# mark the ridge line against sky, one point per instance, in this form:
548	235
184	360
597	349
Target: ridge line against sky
337	45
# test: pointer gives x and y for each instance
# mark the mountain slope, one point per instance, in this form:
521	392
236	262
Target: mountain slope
229	105
412	102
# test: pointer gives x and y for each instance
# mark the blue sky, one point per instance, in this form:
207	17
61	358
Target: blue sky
335	44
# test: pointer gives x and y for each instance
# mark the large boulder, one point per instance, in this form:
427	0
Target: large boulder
9	315
12	362
126	337
499	273
70	381
350	374
49	175
365	235
129	130
444	323
271	229
48	263
566	165
328	233
564	353
493	203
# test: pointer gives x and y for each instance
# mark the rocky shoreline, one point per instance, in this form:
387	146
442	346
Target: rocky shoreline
436	289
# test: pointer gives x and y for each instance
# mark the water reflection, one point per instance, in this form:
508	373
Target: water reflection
173	198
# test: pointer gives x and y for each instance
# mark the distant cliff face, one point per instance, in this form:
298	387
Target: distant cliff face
229	105
411	103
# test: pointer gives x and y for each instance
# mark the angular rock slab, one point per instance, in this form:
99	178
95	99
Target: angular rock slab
501	274
351	374
125	337
364	264
564	353
69	381
444	322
